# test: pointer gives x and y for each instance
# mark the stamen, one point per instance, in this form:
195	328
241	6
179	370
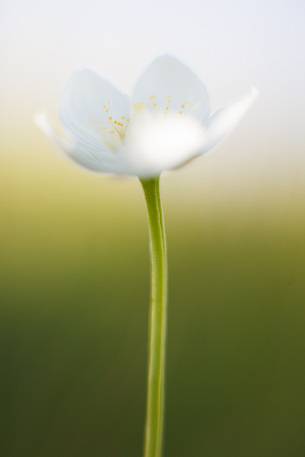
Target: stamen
116	128
184	106
168	103
138	107
153	100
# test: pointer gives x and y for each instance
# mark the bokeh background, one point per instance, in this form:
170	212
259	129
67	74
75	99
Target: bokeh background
74	264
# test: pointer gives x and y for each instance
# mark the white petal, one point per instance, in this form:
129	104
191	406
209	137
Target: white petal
224	121
43	123
167	77
87	104
158	142
82	154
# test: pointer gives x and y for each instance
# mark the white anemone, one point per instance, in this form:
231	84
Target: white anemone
166	123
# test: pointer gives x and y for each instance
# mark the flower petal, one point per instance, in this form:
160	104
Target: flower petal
224	121
87	104
168	84
81	153
159	142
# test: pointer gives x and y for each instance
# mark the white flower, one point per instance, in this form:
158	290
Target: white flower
165	124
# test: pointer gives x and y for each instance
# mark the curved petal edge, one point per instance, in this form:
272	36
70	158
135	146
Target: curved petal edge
223	122
73	149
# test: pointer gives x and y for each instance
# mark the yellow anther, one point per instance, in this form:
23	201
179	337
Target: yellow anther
153	100
115	128
119	123
139	107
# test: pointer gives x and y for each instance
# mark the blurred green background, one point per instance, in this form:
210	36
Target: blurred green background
74	301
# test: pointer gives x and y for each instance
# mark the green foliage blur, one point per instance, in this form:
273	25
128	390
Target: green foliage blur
73	326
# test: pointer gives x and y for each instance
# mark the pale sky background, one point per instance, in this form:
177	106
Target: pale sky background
229	44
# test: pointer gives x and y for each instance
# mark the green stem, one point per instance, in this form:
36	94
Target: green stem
157	321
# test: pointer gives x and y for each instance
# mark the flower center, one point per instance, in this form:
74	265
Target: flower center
114	130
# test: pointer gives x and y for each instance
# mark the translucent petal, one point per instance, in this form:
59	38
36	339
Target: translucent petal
169	85
223	122
88	104
80	152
